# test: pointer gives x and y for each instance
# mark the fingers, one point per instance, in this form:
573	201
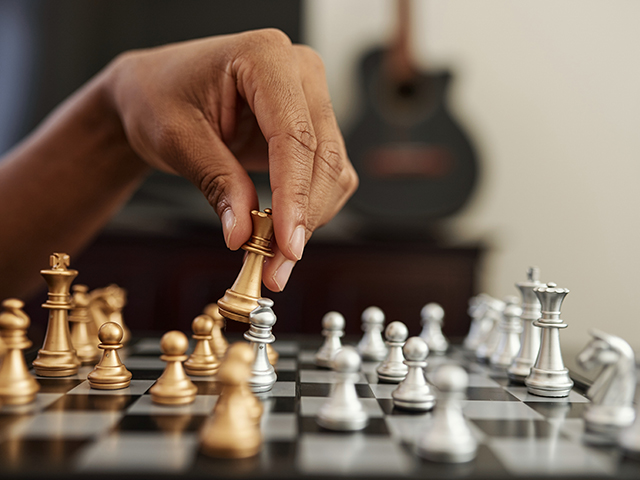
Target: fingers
269	80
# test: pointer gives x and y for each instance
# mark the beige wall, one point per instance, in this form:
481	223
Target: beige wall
551	92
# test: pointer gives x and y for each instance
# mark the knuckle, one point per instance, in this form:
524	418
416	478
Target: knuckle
272	38
331	160
214	187
310	57
301	131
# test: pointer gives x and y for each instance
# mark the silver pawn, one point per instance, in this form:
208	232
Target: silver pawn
448	437
393	369
372	346
332	329
478	329
343	410
611	395
509	341
549	377
629	438
495	313
530	338
432	316
263	375
414	393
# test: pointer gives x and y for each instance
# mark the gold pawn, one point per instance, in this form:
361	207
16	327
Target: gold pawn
232	432
242	298
57	357
83	341
219	344
173	387
17	386
110	373
246	356
202	362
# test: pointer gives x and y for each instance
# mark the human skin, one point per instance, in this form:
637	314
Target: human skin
209	110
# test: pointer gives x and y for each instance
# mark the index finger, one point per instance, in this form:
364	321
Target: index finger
268	78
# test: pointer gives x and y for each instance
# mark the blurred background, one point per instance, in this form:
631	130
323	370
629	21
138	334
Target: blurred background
522	117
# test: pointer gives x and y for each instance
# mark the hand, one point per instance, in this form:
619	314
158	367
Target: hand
214	108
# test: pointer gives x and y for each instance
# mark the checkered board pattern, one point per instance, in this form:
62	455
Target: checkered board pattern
74	431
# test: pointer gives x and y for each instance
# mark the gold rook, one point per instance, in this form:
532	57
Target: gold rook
242	297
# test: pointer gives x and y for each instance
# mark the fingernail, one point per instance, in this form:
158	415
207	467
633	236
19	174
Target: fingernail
296	244
282	274
228	224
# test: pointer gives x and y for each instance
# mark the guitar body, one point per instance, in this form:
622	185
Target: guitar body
414	161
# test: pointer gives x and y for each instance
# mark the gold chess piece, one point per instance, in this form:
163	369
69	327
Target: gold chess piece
173	387
219	344
242	298
202	362
231	432
110	373
81	337
106	305
239	353
57	357
17	386
272	354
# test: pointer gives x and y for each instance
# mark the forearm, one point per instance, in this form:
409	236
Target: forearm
62	184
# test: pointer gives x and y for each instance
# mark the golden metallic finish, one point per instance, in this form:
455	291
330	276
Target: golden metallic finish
202	362
57	357
82	339
219	344
17	386
272	354
106	305
239	353
232	431
173	387
110	373
242	298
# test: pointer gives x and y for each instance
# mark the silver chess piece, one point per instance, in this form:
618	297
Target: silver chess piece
393	369
509	341
262	318
611	395
332	329
549	377
530	338
629	438
432	316
478	329
414	393
343	409
448	437
495	313
372	346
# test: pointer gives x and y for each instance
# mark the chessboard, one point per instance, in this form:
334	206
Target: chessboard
73	431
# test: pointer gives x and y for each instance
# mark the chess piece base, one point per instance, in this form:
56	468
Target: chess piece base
109	378
261	382
56	364
236	306
448	457
548	383
243	449
200	371
350	422
607	421
519	371
413	405
166	395
394	373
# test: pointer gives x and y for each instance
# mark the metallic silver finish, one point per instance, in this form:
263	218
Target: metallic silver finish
549	377
332	329
530	339
612	392
393	369
262	318
414	393
343	410
490	343
432	316
509	340
448	437
477	330
372	346
629	438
